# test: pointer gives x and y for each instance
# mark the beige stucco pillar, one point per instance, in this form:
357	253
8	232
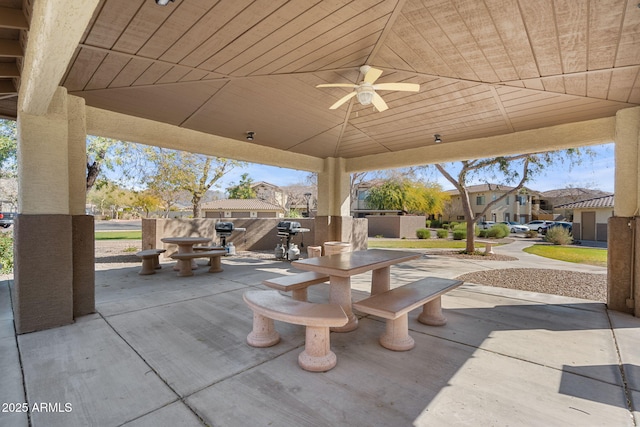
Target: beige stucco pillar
624	227
333	221
54	256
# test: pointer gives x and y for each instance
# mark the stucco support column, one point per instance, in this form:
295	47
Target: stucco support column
50	273
623	293
334	222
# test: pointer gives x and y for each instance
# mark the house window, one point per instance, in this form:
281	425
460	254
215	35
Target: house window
507	201
479	200
460	217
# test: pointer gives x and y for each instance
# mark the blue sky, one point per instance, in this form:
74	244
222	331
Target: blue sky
596	173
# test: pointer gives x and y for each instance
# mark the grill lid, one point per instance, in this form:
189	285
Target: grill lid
287	225
224	226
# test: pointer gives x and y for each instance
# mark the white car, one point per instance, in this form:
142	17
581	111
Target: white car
515	227
538	225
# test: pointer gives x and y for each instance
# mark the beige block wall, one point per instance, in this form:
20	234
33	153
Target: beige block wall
260	233
396	226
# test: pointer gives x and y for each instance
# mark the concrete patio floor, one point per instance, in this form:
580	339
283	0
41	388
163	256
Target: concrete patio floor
169	351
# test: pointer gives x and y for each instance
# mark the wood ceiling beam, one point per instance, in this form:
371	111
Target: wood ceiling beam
7	87
10	49
13	19
9	70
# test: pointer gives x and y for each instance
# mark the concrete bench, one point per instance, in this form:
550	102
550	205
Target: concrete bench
395	305
268	306
296	283
150	260
184	261
488	246
209	248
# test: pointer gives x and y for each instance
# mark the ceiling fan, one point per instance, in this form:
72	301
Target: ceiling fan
365	91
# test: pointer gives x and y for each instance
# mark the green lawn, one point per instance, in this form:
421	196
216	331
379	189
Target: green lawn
420	244
589	256
119	235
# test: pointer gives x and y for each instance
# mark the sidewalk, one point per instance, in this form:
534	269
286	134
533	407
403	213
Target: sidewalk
168	351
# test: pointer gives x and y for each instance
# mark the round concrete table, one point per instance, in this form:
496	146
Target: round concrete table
185	246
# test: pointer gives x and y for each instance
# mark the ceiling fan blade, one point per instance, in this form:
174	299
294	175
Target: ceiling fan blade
404	87
372	75
343	100
379	103
337	85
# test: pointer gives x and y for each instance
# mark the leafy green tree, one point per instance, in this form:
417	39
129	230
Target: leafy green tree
8	149
516	169
243	190
176	171
407	196
147	202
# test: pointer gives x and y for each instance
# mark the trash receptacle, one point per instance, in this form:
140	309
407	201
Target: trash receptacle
331	248
314	251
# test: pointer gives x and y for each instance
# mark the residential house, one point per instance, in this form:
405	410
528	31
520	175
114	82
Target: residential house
515	207
241	208
591	217
547	204
269	193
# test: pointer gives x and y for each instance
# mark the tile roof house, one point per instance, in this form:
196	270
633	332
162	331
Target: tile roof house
241	208
590	217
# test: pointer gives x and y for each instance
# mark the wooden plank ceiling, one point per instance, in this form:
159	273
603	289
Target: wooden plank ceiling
485	67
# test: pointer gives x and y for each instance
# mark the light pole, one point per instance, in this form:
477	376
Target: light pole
307	196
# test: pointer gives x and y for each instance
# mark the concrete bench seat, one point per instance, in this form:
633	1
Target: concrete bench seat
184	261
296	283
150	260
270	305
395	305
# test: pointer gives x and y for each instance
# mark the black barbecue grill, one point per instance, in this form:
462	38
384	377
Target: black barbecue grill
288	229
223	230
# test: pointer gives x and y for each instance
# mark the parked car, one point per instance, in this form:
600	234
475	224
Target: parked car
6	219
515	227
566	225
485	225
538	225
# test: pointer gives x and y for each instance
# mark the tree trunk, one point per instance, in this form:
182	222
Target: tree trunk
195	201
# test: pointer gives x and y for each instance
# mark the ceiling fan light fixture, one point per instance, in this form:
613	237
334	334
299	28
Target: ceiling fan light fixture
163	2
250	136
365	95
437	139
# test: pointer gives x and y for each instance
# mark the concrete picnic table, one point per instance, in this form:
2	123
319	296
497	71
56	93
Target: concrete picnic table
185	246
340	268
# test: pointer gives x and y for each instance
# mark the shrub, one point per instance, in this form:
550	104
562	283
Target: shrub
435	223
459	226
442	234
531	234
379	236
6	254
427	223
459	234
498	231
558	236
445	226
453	224
423	233
482	233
